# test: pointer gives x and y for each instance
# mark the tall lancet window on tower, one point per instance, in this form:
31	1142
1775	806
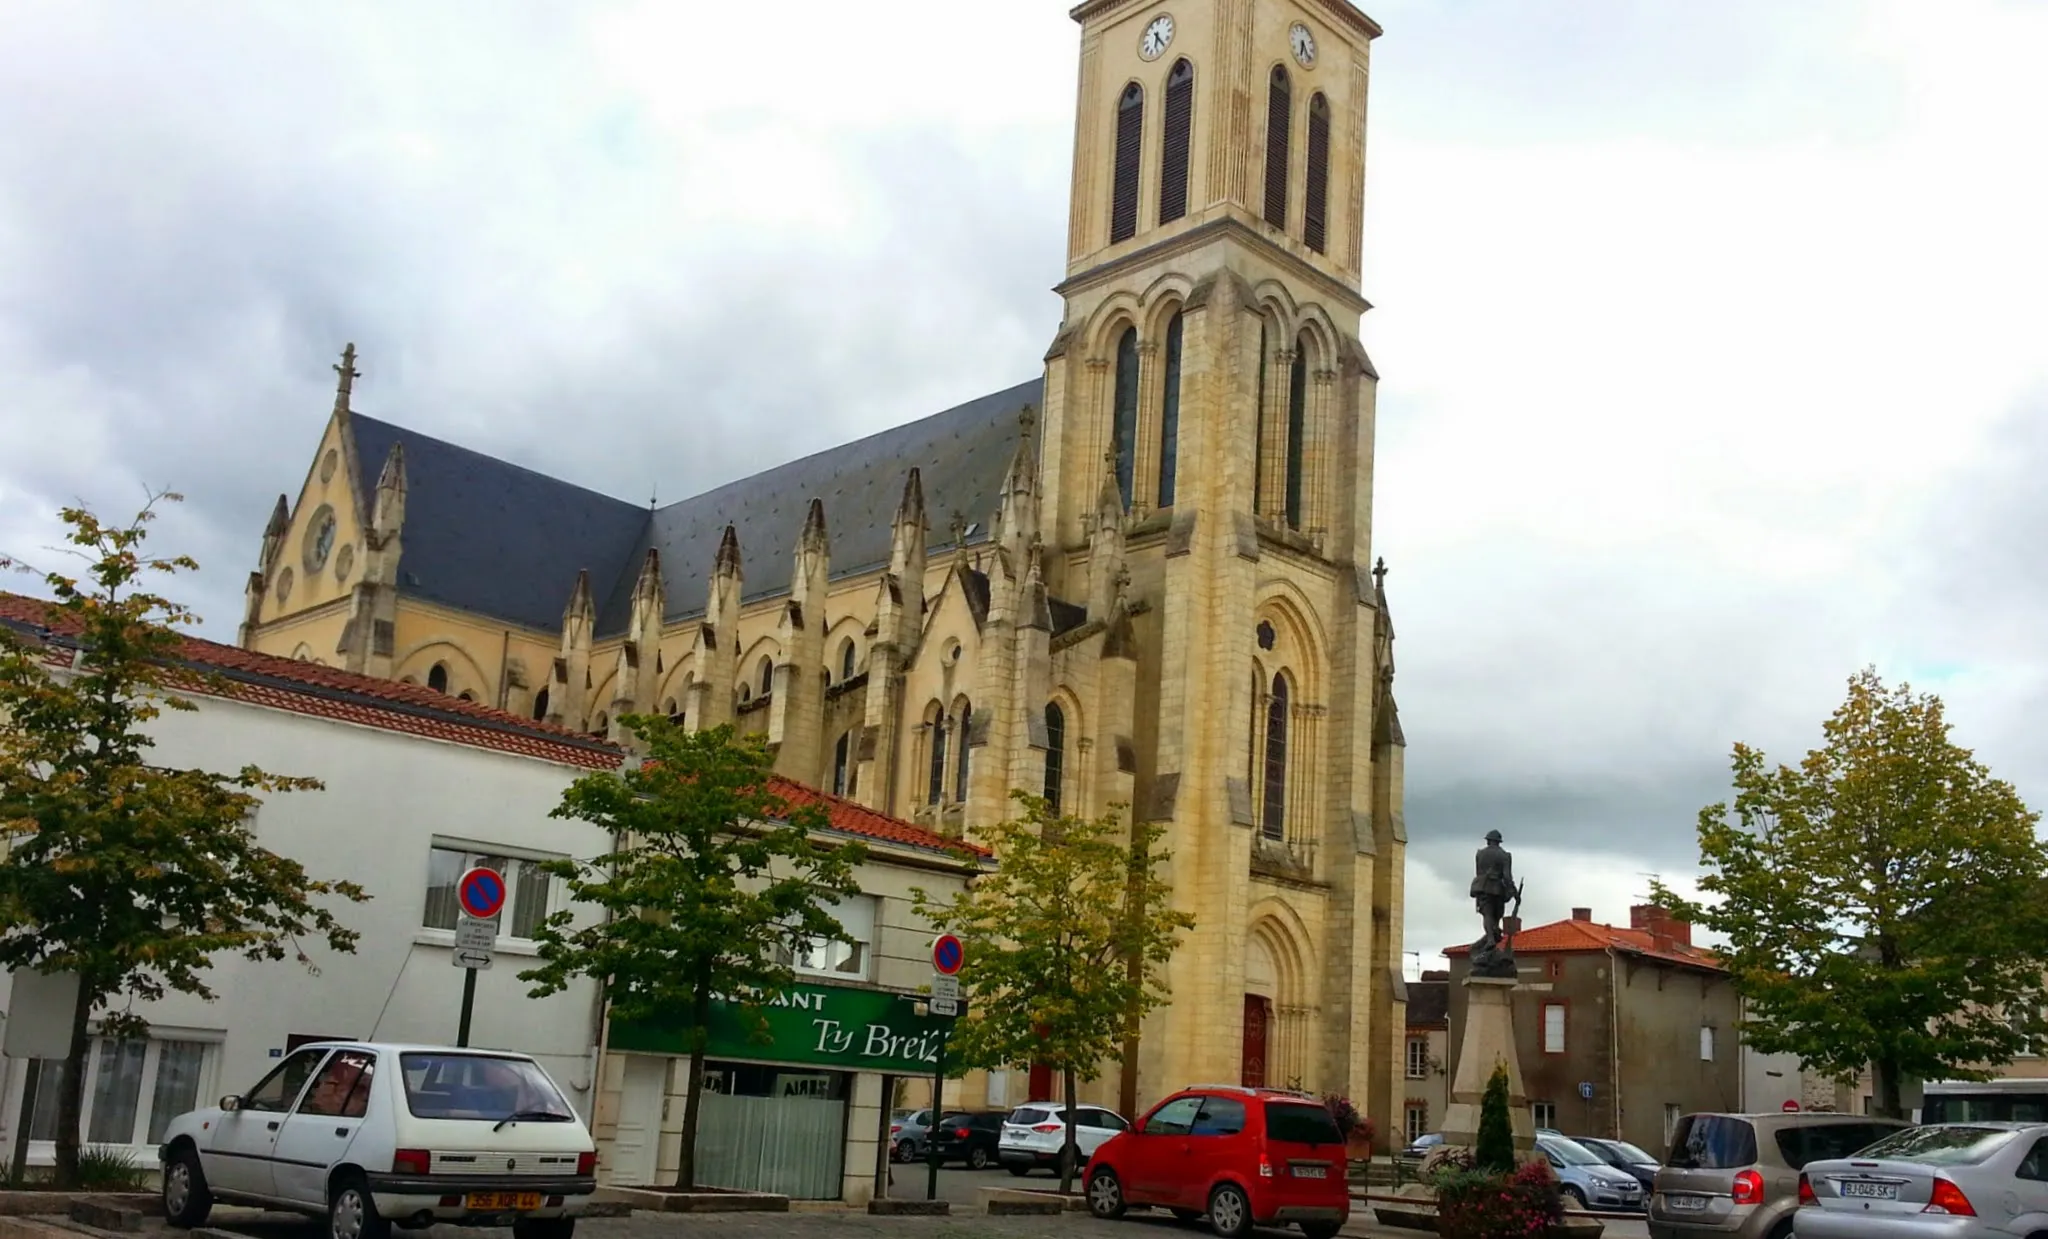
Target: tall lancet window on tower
1279	128
1297	430
1169	414
1173	151
1055	753
1130	138
1123	431
1315	202
1273	821
842	763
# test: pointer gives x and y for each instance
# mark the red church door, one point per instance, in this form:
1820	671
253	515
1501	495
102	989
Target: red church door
1257	1019
1041	1083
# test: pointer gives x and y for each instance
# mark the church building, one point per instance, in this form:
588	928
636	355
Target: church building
1143	578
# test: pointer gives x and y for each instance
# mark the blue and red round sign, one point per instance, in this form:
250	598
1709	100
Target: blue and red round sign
947	955
481	892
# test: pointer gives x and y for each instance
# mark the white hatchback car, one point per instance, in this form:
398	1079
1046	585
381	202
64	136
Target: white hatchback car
1035	1134
372	1135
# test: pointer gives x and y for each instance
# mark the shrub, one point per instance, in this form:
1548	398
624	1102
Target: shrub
1476	1204
1496	1148
104	1167
1349	1121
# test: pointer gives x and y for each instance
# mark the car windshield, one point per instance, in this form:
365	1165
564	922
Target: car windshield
1939	1146
1631	1154
1569	1152
1820	1142
1713	1142
1296	1123
452	1085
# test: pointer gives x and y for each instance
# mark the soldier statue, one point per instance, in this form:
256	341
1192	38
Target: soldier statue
1493	885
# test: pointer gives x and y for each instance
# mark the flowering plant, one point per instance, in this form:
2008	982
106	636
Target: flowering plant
1350	1123
1473	1204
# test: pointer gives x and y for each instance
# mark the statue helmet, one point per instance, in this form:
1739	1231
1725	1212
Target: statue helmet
1493	836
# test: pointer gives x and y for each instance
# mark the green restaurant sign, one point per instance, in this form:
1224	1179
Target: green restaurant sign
810	1024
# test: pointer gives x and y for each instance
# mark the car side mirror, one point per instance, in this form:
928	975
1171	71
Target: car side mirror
230	1102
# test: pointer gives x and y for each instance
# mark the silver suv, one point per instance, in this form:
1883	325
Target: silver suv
1737	1175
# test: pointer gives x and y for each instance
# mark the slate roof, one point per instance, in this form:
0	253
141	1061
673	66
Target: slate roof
485	535
1429	1000
1566	936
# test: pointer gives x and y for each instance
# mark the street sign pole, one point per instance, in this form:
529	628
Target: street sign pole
931	1144
468	1005
947	956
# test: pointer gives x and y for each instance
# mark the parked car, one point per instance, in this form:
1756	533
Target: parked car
1960	1180
1586	1179
1622	1155
1036	1135
1418	1150
907	1132
1737	1175
969	1136
371	1135
1244	1156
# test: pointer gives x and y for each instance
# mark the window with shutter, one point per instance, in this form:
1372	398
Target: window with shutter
1279	106
1315	200
1130	132
1553	1028
1173	154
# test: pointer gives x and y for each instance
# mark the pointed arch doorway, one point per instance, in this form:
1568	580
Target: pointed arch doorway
1261	985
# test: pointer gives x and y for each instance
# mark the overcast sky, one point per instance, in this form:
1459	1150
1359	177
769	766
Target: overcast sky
1714	344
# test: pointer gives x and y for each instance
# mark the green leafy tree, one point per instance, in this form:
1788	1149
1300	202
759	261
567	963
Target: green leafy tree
1882	901
713	881
1495	1152
130	875
1064	944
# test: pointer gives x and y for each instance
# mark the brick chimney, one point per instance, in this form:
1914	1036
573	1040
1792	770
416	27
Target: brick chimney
1582	914
1664	929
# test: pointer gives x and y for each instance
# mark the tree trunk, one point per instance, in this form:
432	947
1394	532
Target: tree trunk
1070	1151
1884	1078
686	1169
71	1096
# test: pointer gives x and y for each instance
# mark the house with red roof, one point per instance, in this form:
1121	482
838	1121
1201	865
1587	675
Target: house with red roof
1620	1029
420	785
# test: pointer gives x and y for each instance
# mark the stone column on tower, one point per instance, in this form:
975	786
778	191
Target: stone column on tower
569	682
797	706
635	681
718	639
899	626
368	639
259	580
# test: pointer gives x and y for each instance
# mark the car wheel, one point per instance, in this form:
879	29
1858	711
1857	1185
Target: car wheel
187	1203
1105	1194
1782	1230
906	1152
1574	1198
1320	1230
1230	1212
352	1214
977	1158
544	1228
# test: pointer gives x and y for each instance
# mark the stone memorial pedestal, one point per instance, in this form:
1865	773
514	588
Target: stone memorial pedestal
1489	1039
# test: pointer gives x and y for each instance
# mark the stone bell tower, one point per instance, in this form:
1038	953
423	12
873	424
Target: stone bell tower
1206	454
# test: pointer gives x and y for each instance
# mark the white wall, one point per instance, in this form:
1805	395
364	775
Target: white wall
387	796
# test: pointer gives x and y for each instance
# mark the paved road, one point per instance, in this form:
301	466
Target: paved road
852	1225
959	1184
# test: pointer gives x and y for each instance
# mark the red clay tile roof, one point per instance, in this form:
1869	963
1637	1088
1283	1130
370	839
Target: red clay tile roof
1562	937
858	819
414	709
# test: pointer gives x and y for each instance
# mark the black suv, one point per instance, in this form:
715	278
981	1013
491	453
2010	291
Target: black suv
968	1136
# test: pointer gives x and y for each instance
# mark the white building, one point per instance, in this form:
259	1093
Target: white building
418	785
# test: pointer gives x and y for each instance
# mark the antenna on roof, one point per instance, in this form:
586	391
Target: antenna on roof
1654	876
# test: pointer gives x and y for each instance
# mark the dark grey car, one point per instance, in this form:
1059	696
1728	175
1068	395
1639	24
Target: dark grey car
1738	1174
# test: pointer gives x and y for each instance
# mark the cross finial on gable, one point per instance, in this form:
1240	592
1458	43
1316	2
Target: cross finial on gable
349	374
957	526
1027	418
1379	572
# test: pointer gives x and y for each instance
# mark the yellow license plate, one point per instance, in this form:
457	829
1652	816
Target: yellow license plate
492	1201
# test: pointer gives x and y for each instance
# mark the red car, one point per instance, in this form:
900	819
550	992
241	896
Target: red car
1244	1156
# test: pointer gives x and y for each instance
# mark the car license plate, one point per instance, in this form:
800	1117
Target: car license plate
1871	1191
1309	1172
1688	1203
492	1202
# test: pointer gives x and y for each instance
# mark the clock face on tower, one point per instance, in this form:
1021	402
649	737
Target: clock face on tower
1157	35
1304	45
